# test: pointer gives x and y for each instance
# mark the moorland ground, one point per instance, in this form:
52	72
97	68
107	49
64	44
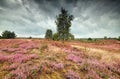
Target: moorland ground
47	59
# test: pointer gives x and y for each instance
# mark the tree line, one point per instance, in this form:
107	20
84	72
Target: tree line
63	23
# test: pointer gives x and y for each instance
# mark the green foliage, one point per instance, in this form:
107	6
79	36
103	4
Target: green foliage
63	23
0	37
34	72
119	38
7	34
30	37
105	37
90	39
71	36
55	36
48	34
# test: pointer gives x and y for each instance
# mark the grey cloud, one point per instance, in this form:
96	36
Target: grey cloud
92	18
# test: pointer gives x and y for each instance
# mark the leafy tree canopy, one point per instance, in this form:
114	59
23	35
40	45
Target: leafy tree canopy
63	23
48	34
8	34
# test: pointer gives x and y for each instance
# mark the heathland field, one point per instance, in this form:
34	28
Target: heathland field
46	59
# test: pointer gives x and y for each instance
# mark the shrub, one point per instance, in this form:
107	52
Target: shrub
7	34
55	36
48	34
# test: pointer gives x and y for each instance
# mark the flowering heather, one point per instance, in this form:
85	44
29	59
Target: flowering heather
95	75
20	73
72	75
14	66
2	57
17	57
58	65
22	59
28	46
21	51
74	58
70	51
11	67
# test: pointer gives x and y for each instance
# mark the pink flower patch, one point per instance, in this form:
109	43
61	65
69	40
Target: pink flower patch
74	58
4	49
23	58
28	46
58	65
20	73
21	51
17	57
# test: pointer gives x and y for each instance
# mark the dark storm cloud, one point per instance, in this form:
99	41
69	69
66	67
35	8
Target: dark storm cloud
92	18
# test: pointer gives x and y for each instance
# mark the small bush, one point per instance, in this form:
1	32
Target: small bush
55	36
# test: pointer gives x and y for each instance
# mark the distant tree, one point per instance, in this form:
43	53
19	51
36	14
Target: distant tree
63	23
8	34
105	37
0	37
90	39
119	38
30	37
48	34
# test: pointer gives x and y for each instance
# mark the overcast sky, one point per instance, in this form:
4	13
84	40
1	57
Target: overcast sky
92	18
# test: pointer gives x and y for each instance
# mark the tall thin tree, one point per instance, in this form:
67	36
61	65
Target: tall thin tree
63	23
